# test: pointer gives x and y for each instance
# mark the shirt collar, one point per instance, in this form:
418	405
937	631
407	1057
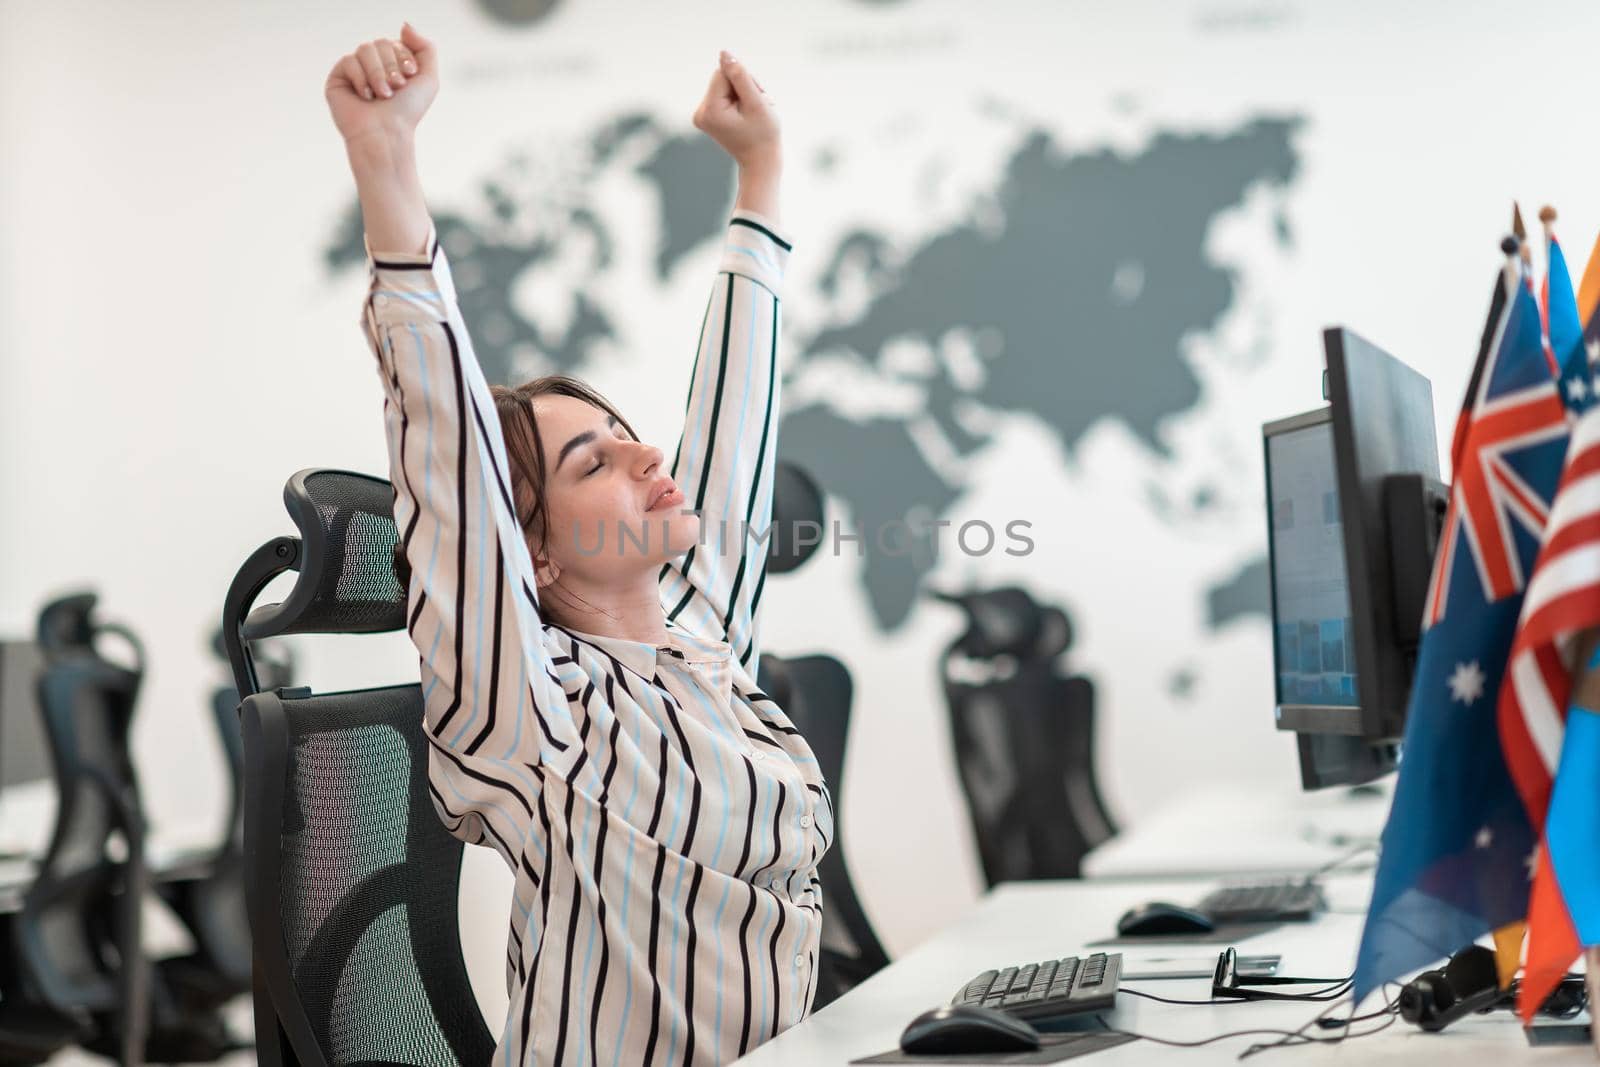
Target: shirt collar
642	657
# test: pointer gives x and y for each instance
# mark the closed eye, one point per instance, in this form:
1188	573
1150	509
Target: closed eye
620	435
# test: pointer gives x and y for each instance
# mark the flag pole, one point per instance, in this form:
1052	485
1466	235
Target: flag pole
1520	232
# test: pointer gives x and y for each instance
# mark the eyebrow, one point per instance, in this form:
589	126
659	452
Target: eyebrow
582	439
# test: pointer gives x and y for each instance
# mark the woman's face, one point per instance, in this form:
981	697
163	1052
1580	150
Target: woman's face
600	484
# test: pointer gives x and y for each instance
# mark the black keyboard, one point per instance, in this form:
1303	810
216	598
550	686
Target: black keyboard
1054	987
1295	901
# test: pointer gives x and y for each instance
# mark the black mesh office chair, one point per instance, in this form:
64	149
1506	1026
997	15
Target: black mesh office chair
815	692
352	880
31	1029
1023	733
78	934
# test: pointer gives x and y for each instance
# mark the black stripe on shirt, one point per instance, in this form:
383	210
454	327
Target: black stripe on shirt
744	962
711	447
750	503
494	661
754	225
460	527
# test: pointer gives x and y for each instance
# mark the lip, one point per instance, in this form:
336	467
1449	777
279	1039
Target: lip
665	495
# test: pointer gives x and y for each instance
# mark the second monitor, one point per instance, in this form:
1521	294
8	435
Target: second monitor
1354	510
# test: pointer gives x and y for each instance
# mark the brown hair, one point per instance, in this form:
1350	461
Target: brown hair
525	451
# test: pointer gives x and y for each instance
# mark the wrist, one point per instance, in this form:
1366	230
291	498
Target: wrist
380	150
764	166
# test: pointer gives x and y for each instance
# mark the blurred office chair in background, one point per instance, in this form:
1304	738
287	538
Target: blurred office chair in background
1023	735
184	995
352	879
77	937
815	692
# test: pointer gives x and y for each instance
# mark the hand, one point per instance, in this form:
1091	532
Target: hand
737	113
384	87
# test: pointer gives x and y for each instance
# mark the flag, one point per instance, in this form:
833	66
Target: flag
1549	730
1454	853
1562	601
1564	908
1563	330
1559	612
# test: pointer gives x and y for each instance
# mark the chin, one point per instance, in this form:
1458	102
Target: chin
671	534
682	533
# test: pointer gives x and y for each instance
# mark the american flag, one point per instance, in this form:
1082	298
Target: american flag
1563	599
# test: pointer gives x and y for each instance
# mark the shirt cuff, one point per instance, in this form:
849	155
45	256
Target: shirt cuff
408	286
379	259
756	247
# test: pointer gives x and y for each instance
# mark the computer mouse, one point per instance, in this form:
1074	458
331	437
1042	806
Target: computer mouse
1160	917
967	1028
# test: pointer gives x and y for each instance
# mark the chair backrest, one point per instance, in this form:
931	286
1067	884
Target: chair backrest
352	879
93	868
816	692
354	883
1023	735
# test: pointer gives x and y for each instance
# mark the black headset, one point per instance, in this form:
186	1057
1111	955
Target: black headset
1470	982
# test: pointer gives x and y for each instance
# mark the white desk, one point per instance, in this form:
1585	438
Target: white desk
1227	831
1024	922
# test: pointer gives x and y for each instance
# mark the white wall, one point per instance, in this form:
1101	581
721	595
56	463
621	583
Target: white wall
171	347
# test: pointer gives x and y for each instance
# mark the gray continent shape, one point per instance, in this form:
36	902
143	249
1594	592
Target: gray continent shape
1076	349
693	181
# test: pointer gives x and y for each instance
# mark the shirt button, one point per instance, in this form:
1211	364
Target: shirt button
758	754
799	961
805	820
380	300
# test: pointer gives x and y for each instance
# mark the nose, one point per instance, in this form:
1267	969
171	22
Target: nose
646	460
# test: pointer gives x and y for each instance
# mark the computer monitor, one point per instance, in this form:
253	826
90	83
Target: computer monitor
24	753
1354	508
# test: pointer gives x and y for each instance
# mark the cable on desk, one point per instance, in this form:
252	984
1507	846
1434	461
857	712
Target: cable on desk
1286	1038
1336	988
1299	1037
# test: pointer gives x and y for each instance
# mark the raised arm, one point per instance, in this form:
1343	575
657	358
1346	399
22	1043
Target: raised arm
492	704
724	459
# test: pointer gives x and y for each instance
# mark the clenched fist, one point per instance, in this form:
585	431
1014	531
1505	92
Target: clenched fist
737	114
383	87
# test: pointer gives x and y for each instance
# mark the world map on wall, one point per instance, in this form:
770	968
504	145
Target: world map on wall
1066	334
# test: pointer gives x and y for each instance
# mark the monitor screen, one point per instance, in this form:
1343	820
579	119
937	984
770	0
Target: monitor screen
1313	643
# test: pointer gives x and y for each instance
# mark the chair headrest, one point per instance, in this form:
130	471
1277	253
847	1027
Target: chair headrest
347	582
67	627
1003	622
795	499
67	622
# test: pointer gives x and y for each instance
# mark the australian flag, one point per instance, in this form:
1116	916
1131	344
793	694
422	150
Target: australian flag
1456	849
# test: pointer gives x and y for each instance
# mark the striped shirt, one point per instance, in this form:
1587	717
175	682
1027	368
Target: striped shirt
661	814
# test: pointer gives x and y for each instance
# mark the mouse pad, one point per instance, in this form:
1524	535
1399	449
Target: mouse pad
1055	1048
1222	935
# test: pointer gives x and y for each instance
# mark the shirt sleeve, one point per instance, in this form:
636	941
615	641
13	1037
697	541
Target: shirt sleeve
724	459
493	706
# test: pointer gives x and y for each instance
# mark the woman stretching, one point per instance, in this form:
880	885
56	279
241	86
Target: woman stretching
587	656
